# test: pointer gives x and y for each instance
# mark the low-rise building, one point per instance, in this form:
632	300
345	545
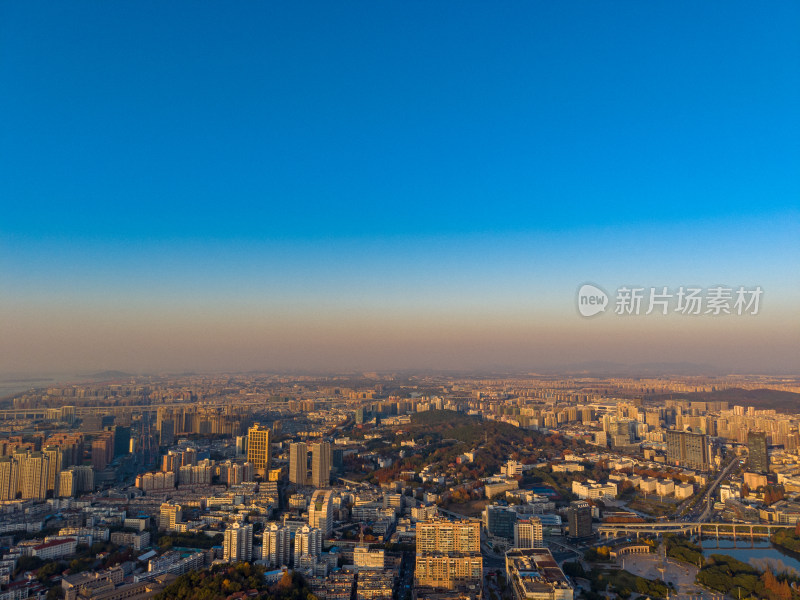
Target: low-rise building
55	549
534	575
364	558
592	490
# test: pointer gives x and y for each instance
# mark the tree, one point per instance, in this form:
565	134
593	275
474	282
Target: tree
286	581
54	593
48	570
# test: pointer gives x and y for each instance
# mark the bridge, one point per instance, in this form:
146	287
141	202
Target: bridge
691	528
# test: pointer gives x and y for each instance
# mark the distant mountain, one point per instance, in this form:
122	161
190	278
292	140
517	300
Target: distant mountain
607	368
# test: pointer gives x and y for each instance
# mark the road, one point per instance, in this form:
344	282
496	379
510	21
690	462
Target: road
708	499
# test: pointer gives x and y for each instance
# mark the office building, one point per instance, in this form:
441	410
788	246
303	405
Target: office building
321	464
122	440
298	463
579	517
337	460
499	521
258	448
757	455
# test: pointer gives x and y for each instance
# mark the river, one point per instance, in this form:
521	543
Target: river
760	555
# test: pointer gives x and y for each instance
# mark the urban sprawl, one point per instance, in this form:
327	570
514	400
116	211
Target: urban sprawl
399	486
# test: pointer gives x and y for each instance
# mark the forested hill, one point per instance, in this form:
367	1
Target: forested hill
467	428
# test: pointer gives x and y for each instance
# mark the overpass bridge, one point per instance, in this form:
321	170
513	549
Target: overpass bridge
745	530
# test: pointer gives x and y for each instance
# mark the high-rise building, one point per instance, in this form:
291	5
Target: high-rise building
171	461
102	449
320	511
71	448
33	471
258	448
447	572
298	463
528	533
579	517
277	545
189	457
84	478
241	445
235	474
448	554
757	456
442	536
54	467
238	543
688	449
122	440
621	432
169	516
307	541
9	478
67	484
337	460
499	521
321	464
166	433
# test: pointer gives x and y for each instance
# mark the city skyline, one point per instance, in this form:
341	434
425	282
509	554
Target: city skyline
377	188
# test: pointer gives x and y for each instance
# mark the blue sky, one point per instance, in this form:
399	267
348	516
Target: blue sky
386	159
